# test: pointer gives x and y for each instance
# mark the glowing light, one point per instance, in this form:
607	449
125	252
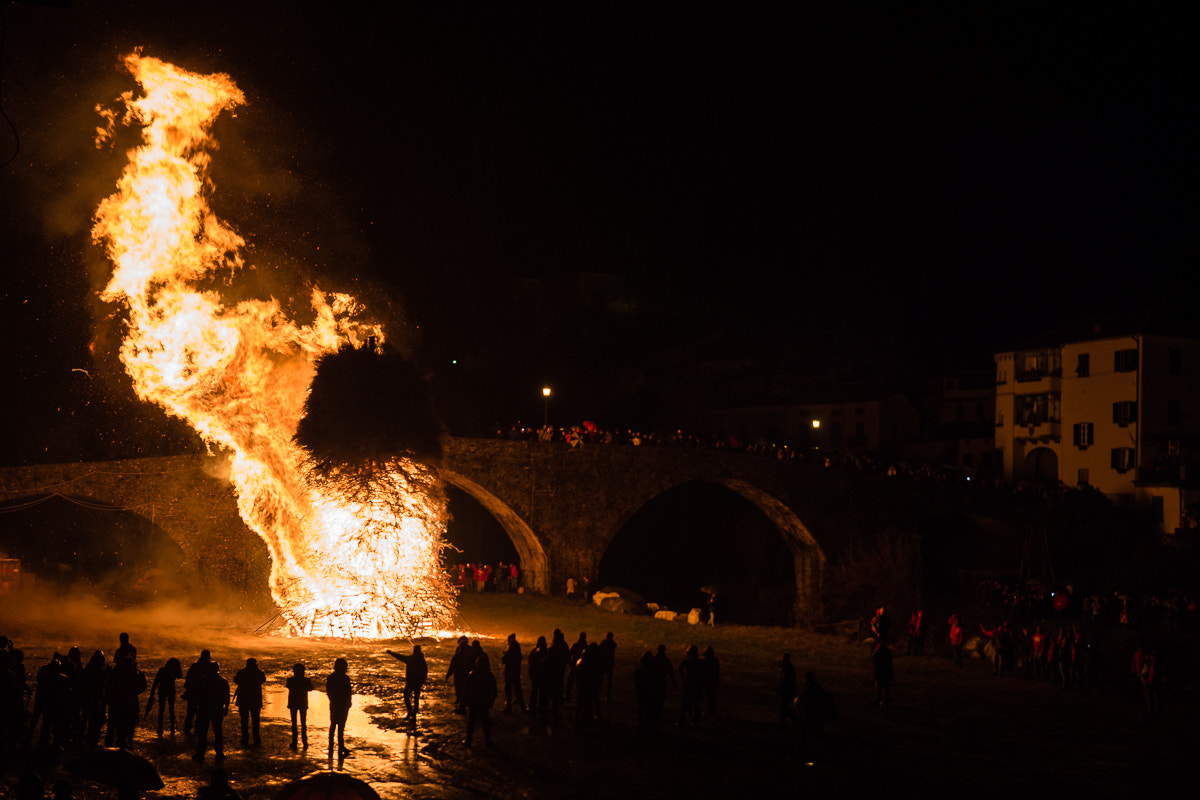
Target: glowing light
349	558
816	423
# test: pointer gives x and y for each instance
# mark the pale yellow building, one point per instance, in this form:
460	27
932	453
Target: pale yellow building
1110	404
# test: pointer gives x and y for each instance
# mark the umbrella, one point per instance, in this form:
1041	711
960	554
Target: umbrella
327	786
116	767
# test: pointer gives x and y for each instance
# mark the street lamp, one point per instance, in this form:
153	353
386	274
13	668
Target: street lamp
546	407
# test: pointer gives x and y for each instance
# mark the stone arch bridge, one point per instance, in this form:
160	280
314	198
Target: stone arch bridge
561	507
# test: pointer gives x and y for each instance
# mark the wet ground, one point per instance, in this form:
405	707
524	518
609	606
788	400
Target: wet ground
947	731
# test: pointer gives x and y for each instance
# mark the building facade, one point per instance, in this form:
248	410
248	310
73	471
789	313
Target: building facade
1114	408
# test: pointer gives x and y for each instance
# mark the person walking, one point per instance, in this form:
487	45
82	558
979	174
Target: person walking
341	694
416	672
164	688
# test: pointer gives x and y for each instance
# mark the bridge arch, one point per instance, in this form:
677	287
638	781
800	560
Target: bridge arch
534	565
807	559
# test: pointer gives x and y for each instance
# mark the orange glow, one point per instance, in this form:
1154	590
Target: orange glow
366	564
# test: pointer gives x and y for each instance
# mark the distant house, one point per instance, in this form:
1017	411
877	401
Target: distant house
1112	403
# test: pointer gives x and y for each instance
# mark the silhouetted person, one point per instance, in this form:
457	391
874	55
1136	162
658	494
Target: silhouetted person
416	672
576	652
212	706
692	678
512	674
480	695
337	687
650	690
881	625
49	703
608	661
249	700
589	672
164	688
193	689
458	670
537	665
711	679
298	686
787	689
816	706
126	683
92	693
553	675
125	649
881	669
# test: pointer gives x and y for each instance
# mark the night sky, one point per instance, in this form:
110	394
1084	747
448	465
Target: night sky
568	195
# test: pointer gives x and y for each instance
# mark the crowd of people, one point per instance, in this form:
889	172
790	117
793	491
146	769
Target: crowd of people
1052	649
72	706
75	706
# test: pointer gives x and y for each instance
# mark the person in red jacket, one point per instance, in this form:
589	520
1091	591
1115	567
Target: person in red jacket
916	634
956	639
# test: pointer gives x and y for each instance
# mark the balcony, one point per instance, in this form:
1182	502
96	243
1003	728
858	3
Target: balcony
1034	427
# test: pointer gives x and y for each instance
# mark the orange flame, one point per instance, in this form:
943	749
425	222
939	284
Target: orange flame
366	564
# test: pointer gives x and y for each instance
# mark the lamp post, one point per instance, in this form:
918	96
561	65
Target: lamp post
546	406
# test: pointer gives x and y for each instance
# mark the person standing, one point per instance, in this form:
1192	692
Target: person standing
916	634
416	672
956	639
787	689
712	679
249	700
817	706
537	663
193	690
881	668
512	674
608	661
459	669
480	695
341	695
573	656
298	686
692	678
212	706
881	624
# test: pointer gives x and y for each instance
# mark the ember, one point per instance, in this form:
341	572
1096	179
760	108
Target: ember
351	556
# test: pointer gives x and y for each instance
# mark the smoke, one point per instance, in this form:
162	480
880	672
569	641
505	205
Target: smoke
39	615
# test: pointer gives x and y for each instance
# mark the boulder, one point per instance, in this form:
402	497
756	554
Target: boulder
625	593
622	605
599	597
665	614
694	617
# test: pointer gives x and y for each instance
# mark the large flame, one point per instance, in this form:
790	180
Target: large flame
354	560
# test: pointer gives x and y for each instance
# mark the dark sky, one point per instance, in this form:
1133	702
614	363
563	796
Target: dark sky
899	186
